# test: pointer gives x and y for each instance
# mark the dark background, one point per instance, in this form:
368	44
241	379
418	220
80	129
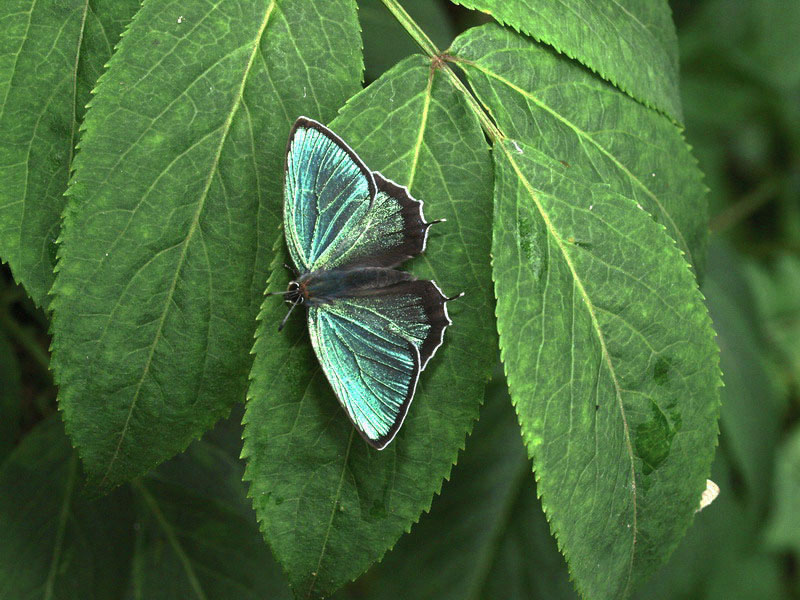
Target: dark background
740	83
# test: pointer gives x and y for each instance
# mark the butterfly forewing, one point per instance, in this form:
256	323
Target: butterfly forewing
327	192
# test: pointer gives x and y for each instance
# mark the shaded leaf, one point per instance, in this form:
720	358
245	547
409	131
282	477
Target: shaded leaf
783	531
719	551
611	365
185	531
196	535
486	535
173	211
54	543
52	54
330	505
777	292
630	43
560	109
751	405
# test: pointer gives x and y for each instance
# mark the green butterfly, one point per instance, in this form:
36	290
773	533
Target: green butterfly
373	328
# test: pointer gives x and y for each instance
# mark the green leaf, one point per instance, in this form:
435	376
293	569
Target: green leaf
184	531
10	397
611	365
173	211
52	53
752	410
486	535
631	43
54	543
378	25
559	108
623	430
328	504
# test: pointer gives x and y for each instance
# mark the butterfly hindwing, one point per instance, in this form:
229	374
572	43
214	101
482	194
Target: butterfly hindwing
337	213
372	348
392	231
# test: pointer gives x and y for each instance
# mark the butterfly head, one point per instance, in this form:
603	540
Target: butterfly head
295	293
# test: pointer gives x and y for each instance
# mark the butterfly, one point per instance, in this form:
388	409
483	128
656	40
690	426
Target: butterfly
373	328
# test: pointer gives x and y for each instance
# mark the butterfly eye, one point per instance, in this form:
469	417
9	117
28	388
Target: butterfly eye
293	286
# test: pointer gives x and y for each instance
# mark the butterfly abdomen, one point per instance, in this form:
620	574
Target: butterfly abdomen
325	286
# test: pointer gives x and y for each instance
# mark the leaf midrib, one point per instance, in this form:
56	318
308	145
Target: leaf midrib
585	135
315	574
190	234
169	531
62	525
601	338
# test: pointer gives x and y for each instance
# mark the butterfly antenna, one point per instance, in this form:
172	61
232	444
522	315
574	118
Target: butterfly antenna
456	297
277	293
286	318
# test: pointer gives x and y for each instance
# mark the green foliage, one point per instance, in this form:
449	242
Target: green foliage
52	54
173	211
504	545
625	426
184	531
315	484
631	43
577	226
555	106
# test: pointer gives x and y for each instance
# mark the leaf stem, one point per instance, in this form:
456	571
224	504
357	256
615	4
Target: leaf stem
440	61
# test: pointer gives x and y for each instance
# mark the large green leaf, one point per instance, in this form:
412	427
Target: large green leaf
328	504
631	43
607	346
173	212
184	531
52	54
557	107
486	535
611	365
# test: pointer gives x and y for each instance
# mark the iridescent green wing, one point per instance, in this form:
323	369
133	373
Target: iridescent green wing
372	349
337	213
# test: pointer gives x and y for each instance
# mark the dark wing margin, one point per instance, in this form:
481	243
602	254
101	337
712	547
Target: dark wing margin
415	227
435	304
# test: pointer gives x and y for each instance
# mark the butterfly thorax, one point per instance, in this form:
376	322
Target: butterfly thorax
325	286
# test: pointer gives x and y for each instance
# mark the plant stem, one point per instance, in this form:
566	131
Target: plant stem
440	62
414	30
746	205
